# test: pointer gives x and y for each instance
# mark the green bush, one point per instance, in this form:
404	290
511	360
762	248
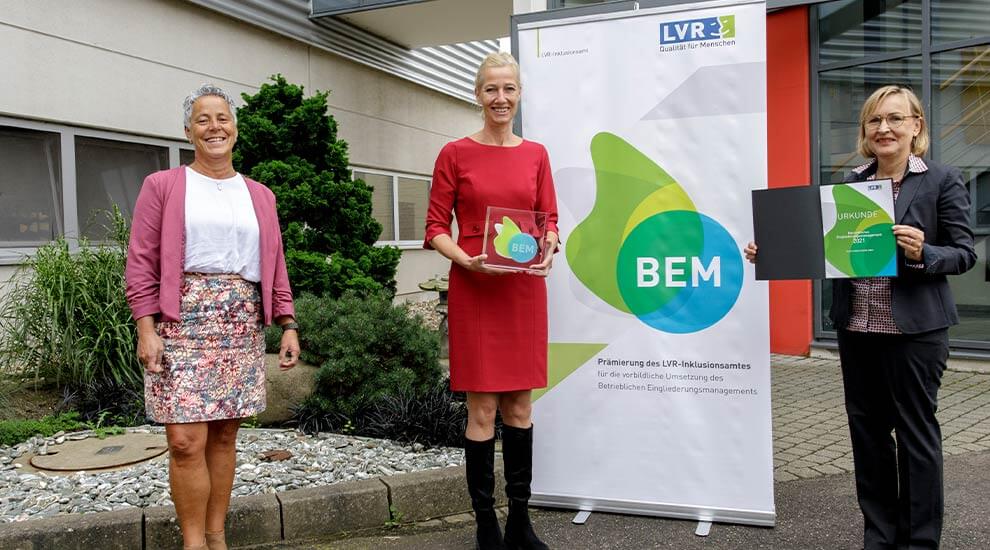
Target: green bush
105	400
65	317
13	432
366	349
289	143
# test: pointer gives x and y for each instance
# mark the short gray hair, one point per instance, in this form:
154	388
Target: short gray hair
205	89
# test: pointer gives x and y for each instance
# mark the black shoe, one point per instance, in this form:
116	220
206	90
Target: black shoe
517	455
479	460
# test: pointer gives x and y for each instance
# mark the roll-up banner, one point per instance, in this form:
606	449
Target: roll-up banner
659	395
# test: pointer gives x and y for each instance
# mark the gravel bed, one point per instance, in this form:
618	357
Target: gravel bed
428	311
319	460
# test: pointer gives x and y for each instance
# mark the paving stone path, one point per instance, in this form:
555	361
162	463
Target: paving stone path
811	437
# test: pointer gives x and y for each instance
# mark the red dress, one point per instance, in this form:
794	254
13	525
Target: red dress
497	323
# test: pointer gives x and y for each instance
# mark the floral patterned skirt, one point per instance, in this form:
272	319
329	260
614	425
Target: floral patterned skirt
214	360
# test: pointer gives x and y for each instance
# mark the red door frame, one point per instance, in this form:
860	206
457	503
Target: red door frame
789	161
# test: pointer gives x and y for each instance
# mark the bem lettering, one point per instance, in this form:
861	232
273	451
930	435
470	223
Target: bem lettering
647	272
669	262
523	248
714	270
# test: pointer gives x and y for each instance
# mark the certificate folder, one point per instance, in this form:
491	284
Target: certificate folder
787	226
833	231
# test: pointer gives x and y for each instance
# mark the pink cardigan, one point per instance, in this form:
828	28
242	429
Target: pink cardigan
156	255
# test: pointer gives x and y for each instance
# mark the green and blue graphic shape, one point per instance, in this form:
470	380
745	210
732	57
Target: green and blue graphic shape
510	242
640	211
862	242
563	359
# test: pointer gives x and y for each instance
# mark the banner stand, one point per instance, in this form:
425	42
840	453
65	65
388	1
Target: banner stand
658	400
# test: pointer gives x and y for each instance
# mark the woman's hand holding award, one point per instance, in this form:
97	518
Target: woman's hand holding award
515	240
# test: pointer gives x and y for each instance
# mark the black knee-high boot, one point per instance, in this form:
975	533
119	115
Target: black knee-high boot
517	455
479	458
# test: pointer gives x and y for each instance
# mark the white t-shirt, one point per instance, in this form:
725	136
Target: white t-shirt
221	227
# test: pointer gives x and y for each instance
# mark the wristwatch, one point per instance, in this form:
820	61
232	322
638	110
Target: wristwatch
291	325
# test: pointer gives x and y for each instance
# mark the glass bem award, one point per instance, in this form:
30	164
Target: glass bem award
514	239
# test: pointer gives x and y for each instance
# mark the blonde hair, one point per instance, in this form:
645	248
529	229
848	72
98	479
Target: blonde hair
495	60
919	145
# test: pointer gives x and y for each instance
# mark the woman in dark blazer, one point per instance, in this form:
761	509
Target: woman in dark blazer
893	332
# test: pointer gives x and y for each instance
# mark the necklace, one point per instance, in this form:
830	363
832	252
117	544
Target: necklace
217	182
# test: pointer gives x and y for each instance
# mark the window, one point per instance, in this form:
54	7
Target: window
556	4
56	179
841	96
110	173
961	118
959	19
854	29
863	44
382	202
413	199
30	187
399	203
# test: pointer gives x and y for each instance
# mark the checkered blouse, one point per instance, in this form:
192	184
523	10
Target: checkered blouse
871	310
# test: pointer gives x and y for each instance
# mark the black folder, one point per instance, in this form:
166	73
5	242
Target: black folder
787	226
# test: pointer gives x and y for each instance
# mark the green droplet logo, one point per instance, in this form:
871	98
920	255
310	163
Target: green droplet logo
645	250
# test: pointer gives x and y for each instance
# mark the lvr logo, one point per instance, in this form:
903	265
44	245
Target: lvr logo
693	30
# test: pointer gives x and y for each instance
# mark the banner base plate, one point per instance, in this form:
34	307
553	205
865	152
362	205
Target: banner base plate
704	527
761	518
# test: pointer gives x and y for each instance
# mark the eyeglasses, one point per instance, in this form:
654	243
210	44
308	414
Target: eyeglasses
894	120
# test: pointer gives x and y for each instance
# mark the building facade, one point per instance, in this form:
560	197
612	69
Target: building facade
93	91
823	60
92	102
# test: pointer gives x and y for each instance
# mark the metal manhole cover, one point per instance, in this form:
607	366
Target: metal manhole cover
96	454
110	450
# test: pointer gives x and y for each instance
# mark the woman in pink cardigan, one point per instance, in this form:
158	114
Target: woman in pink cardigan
205	273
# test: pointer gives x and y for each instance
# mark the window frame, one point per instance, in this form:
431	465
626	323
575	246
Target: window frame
928	50
395	175
12	256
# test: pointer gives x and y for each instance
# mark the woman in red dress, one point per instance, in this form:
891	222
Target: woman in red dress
497	320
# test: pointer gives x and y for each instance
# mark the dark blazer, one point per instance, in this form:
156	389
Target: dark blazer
937	202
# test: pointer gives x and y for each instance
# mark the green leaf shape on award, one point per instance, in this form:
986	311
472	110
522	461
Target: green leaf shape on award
508	230
857	214
563	360
629	186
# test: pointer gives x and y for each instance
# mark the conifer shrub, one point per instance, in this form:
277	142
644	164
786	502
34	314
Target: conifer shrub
367	350
289	142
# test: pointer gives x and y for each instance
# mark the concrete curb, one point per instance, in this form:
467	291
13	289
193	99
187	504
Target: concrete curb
253	519
429	494
289	516
117	530
331	509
